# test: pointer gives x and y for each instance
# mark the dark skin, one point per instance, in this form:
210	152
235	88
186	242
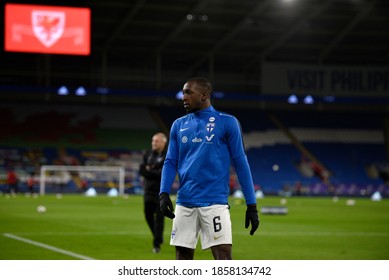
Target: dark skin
197	96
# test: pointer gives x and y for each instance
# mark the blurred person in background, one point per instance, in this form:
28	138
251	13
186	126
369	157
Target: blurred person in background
202	146
12	181
31	182
151	170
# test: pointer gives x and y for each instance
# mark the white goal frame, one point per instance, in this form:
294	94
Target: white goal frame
81	168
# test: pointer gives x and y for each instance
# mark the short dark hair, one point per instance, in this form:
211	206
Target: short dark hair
203	82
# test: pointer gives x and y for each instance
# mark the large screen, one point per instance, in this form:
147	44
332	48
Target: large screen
47	29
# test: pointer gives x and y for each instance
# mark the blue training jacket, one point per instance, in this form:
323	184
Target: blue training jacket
201	148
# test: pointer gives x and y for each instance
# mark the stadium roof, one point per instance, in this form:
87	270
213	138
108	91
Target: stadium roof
156	45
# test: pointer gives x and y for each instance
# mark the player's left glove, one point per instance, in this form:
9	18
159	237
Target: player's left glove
252	217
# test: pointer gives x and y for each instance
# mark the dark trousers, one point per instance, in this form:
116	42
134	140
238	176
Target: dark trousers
13	188
155	219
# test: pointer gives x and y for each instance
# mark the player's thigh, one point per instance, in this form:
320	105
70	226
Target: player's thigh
186	227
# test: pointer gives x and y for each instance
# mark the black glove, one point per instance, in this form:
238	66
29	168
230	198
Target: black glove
166	205
252	217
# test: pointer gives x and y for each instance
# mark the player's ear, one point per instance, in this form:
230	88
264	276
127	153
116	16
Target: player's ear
204	96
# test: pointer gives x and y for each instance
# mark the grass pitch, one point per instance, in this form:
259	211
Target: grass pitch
114	228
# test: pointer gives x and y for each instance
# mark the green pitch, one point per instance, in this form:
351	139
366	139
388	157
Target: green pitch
114	228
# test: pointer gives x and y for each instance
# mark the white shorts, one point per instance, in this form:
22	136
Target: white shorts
212	223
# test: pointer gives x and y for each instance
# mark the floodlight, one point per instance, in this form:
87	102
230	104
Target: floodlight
329	98
309	100
293	99
179	95
63	91
218	94
80	91
102	90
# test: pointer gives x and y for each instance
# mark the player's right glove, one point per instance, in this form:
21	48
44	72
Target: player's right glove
252	217
166	205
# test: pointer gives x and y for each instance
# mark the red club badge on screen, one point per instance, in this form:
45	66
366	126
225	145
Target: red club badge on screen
47	29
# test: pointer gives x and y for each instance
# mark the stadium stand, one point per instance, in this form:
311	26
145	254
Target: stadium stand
348	145
345	143
70	135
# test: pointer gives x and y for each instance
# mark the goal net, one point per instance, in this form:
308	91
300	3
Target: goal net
63	178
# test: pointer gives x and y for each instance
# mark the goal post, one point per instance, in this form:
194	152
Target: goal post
82	170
